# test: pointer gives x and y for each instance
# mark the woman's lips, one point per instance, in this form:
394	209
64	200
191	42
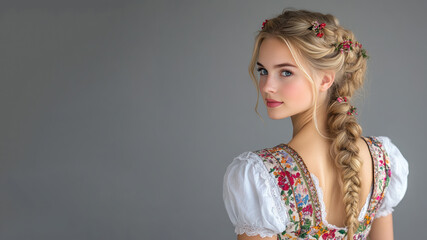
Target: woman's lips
273	103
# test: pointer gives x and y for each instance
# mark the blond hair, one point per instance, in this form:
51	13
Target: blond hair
291	26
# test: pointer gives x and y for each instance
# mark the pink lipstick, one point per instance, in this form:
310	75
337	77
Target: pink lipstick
273	103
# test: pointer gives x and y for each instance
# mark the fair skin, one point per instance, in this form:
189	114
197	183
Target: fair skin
288	84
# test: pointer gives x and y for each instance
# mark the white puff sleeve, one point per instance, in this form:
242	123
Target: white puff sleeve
398	180
252	199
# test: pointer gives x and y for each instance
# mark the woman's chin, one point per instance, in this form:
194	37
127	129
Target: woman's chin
277	116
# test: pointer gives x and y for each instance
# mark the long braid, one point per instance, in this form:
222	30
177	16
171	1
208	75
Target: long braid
345	131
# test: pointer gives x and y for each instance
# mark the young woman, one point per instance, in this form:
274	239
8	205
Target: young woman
329	181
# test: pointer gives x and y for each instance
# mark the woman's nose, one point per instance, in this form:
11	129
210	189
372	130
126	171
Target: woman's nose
270	84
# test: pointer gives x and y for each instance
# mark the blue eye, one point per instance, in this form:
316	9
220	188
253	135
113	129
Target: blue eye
288	73
260	71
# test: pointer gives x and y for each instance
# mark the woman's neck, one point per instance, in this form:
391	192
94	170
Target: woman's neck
307	141
303	124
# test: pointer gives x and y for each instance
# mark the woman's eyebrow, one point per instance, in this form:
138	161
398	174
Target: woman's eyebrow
279	65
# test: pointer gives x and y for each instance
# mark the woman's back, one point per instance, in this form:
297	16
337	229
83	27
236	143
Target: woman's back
317	159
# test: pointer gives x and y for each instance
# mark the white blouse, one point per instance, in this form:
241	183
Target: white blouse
254	206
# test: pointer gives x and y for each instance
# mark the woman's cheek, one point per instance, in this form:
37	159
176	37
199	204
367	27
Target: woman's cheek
292	91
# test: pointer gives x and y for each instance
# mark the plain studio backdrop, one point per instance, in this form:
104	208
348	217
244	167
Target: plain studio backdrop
119	118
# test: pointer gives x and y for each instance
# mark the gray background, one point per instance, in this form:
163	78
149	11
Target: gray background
119	118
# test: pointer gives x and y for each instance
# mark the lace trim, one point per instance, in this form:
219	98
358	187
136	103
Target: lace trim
280	206
252	230
323	208
383	213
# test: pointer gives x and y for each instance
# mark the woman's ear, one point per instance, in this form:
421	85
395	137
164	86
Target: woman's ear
328	78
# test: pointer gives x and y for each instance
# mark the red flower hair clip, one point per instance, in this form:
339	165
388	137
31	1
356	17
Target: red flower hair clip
263	24
348	45
317	28
352	110
342	99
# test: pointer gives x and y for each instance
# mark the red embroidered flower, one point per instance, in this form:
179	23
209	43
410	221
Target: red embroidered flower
307	210
286	179
290	177
282	181
320	34
329	235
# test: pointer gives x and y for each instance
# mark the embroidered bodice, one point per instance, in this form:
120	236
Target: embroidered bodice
270	191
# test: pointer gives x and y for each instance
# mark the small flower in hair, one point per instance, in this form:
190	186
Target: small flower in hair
345	46
352	111
342	99
348	45
317	28
263	24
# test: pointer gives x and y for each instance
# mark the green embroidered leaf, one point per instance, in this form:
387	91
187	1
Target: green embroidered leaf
305	227
341	231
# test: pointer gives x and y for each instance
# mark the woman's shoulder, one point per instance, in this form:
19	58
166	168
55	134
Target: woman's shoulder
246	157
399	171
394	153
246	164
245	168
251	198
389	148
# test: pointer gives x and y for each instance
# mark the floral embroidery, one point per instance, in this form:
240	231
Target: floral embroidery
300	197
308	210
282	181
329	235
